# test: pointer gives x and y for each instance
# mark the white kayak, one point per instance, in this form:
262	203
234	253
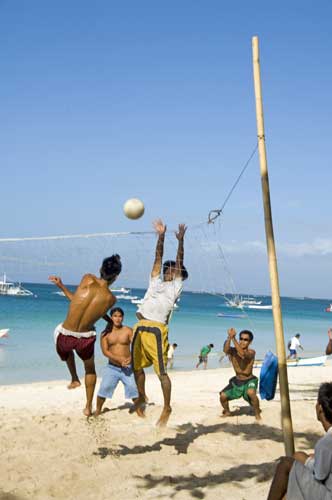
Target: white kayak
4	333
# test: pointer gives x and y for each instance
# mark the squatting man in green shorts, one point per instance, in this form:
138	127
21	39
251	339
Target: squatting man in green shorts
244	384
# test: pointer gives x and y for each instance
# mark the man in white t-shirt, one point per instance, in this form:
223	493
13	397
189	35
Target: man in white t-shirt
150	343
170	355
293	346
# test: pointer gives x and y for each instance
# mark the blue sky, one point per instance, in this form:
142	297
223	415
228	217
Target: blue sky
103	101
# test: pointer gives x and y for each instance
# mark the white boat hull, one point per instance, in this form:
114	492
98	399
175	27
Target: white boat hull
259	307
316	361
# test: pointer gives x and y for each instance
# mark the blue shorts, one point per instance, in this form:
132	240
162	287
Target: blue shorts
292	352
112	376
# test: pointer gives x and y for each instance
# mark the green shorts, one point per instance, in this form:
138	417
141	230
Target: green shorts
237	388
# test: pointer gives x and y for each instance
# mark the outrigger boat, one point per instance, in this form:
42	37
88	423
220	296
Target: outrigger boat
316	361
13	289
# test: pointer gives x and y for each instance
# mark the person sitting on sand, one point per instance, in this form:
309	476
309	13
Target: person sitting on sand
170	355
115	344
88	304
244	384
203	355
309	477
150	343
329	345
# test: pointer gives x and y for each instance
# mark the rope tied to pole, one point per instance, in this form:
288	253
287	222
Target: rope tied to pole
214	214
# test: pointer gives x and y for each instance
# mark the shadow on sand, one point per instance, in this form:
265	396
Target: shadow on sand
9	496
188	433
193	484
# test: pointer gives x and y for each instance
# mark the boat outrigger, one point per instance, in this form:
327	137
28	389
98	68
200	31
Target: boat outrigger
316	361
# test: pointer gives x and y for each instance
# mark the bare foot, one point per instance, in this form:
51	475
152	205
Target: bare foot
74	384
87	411
258	415
95	414
140	412
138	404
226	413
163	419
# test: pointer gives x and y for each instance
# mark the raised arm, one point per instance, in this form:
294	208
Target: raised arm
57	281
227	345
180	255
160	229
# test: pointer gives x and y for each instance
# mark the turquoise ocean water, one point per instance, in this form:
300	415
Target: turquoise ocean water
28	355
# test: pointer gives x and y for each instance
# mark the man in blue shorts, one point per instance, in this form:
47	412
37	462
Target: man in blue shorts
115	345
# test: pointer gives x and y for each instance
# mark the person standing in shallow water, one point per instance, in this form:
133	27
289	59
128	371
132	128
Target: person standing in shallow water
88	304
150	343
293	346
244	384
203	356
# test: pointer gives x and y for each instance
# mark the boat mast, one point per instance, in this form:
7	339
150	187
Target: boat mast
286	417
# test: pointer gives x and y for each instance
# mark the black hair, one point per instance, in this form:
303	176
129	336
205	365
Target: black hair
111	267
171	263
109	326
248	332
175	345
325	399
297	335
116	310
211	345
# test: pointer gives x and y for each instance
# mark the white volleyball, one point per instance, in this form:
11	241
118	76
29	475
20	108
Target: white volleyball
133	208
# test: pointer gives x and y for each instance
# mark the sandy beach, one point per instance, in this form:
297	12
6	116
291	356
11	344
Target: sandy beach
50	450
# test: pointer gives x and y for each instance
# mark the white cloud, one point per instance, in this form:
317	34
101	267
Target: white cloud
317	247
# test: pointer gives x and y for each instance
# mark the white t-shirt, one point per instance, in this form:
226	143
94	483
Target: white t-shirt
160	298
170	352
295	343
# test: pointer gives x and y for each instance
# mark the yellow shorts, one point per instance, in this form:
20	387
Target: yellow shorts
150	346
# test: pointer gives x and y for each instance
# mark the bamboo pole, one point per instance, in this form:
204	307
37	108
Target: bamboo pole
286	418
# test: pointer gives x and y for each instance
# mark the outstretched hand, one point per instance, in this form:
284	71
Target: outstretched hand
181	231
159	227
231	333
56	280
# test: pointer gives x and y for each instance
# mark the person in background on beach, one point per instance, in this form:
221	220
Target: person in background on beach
88	304
150	343
115	343
244	384
309	477
329	345
293	345
170	355
203	355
